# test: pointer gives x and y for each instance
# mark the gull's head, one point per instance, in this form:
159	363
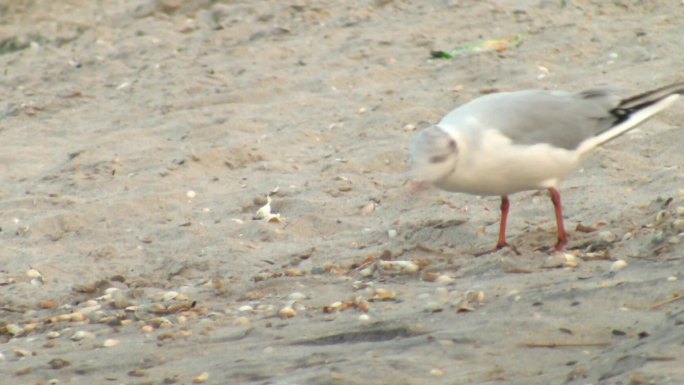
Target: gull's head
434	154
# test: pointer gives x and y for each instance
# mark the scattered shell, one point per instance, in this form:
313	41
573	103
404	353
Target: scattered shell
570	260
296	296
444	279
429	276
678	225
82	335
22	353
392	233
77	316
203	377
126	322
368	271
137	373
437	372
110	342
265	212
368	208
362	304
170	295
287	312
47	304
53	334
14	329
364	318
191	194
672	278
679	211
182	297
242	321
33	273
618	265
475	296
119	299
607	236
58	363
245	308
384	295
433	307
293	272
404	266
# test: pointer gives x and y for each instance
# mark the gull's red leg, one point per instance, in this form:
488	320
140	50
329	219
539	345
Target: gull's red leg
562	236
505	205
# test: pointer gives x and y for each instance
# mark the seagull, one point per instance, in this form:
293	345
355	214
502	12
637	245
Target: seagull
508	142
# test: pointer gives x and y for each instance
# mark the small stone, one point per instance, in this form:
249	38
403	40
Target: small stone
679	211
287	312
82	335
296	296
437	372
53	334
618	265
203	377
242	321
678	225
444	279
14	329
170	295
392	233
58	363
607	236
110	342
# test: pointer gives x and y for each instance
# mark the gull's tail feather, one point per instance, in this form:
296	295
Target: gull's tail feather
634	111
433	154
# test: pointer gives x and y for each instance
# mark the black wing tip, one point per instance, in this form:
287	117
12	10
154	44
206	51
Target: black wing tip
638	102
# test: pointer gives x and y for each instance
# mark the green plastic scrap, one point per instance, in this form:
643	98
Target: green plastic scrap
500	45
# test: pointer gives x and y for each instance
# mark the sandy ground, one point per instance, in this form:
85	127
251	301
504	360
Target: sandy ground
139	138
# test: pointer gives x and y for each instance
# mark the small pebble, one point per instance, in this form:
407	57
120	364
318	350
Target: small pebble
53	334
678	225
444	279
607	236
82	335
368	271
170	295
22	353
14	329
437	372
679	211
287	312
203	377
364	318
392	233
242	321
368	208
110	342
618	265
433	307
191	194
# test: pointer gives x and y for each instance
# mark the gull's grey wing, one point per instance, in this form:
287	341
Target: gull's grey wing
561	119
